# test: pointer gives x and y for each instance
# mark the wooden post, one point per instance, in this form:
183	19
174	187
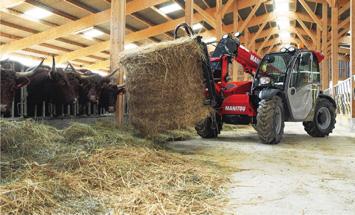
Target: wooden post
189	12
219	17
235	29
325	72
335	48
118	27
352	54
246	36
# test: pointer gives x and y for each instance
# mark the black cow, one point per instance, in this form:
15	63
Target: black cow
94	88
14	75
50	85
109	95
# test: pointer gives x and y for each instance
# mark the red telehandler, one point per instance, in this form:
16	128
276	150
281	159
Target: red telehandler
285	87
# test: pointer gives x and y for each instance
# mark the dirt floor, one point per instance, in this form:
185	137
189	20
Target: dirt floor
301	175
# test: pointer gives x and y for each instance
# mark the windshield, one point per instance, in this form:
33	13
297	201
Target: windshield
274	66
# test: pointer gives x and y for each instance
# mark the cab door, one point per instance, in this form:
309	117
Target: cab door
303	85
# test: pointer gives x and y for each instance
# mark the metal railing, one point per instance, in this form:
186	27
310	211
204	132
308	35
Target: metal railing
342	93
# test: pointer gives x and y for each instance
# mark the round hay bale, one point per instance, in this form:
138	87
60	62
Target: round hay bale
165	86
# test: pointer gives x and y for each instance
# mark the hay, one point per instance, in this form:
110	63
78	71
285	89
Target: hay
165	86
108	170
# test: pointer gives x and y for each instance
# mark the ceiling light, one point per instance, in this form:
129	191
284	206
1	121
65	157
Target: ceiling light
197	26
130	46
37	14
283	23
210	40
90	32
285	36
170	8
281	7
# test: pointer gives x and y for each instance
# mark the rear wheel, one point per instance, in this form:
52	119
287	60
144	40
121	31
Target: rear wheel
324	119
270	120
209	127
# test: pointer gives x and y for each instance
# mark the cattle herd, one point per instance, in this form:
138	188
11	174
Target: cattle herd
45	91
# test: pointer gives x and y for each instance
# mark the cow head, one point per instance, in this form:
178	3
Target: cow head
63	92
13	76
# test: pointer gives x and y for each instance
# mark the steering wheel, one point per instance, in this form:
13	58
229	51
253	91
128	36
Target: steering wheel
187	29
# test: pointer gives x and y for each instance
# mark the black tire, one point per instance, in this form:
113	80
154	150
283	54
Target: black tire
270	120
207	129
324	119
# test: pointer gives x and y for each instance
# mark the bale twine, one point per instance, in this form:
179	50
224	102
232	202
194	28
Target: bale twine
165	86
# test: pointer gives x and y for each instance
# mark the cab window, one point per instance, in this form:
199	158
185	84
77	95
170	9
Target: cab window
305	70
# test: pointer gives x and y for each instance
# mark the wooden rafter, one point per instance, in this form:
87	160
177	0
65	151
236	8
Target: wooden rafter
73	26
250	16
10	3
310	12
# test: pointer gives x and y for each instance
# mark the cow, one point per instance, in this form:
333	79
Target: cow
50	85
94	89
14	75
109	95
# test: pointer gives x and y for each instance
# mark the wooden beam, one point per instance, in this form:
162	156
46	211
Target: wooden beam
73	26
309	33
325	72
352	55
235	29
302	39
218	15
226	7
118	27
189	12
334	42
310	12
207	17
250	16
253	38
260	48
9	3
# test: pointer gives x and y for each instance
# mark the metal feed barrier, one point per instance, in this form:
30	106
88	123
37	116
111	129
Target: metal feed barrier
342	96
49	111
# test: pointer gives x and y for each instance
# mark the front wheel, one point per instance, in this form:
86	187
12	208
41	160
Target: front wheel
324	119
270	120
209	127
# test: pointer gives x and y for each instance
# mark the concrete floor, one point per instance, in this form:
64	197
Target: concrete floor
301	175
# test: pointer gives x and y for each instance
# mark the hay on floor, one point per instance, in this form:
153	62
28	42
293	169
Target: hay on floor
165	86
99	169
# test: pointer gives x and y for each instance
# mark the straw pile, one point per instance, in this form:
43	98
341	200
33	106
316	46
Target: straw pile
100	169
165	86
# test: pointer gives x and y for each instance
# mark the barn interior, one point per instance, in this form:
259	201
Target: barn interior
68	145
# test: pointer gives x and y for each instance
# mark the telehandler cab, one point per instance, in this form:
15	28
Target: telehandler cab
285	87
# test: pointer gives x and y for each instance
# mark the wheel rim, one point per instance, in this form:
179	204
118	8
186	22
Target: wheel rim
323	118
278	120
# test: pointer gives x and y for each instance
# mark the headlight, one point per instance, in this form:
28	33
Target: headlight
225	36
265	80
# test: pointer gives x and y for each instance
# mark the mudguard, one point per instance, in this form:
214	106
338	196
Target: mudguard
268	93
329	98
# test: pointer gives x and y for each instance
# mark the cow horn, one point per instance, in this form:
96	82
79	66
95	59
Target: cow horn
71	67
110	75
53	67
29	72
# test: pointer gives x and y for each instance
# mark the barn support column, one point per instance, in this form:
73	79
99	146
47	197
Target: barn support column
189	12
219	17
118	27
335	43
325	72
352	54
235	29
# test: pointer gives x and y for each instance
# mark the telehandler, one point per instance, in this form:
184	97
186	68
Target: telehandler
285	86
